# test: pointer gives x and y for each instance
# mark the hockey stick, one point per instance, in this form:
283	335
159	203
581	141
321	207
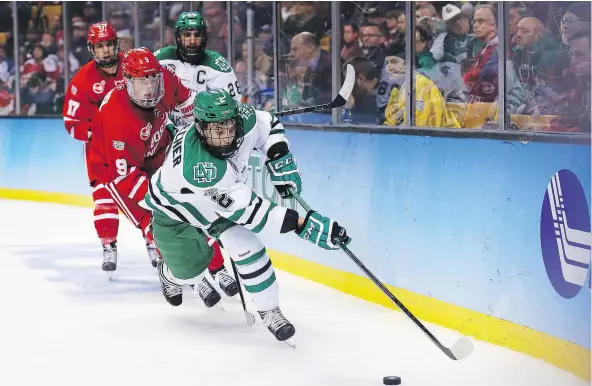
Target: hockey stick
340	100
461	349
250	317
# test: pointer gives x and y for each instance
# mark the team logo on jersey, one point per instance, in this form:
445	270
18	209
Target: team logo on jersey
145	131
119	84
98	88
118	145
74	90
222	63
171	68
159	114
565	234
204	172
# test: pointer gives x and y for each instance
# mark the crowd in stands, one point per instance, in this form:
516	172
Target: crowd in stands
456	57
456	63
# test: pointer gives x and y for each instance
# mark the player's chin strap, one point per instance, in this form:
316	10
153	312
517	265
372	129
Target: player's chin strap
461	349
340	100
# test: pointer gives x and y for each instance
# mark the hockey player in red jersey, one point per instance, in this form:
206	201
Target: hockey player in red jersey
83	98
130	135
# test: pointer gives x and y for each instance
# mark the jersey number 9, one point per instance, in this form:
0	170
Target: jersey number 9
121	165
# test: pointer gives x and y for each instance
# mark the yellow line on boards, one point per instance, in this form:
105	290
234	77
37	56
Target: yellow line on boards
561	353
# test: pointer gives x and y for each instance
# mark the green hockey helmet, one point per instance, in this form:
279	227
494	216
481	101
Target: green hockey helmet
191	34
219	124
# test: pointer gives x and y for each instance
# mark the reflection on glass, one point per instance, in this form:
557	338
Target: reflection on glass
305	67
549	74
260	94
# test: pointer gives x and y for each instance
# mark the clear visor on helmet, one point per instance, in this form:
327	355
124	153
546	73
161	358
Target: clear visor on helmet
146	91
219	134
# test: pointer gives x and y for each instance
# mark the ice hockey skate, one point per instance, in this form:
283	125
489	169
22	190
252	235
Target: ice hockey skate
110	259
152	254
226	282
207	293
279	326
173	293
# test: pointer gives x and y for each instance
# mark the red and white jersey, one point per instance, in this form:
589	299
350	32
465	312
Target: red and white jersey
84	96
129	142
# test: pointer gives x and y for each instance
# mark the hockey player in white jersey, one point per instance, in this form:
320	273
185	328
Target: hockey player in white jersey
201	188
198	68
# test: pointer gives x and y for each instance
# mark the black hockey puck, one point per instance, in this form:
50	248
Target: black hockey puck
391	380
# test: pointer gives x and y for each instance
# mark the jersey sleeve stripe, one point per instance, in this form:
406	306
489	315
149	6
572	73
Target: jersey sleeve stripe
136	187
159	209
159	203
275	123
192	212
254	212
237	215
264	218
121	203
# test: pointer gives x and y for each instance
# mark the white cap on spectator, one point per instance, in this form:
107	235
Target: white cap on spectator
124	33
450	11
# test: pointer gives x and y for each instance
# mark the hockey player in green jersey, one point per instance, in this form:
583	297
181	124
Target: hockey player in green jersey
201	188
198	68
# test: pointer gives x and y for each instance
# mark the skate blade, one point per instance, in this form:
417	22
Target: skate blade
290	342
110	275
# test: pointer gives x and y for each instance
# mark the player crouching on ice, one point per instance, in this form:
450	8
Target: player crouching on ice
201	188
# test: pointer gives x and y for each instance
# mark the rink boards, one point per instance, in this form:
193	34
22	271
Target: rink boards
465	231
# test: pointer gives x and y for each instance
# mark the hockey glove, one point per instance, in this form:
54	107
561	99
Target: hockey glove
284	174
322	231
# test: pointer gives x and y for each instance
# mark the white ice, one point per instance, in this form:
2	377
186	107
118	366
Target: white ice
62	322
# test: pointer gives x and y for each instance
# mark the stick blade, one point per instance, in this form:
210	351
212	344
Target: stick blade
462	348
348	82
250	318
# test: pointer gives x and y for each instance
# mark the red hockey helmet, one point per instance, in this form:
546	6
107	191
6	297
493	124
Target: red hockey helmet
144	77
105	36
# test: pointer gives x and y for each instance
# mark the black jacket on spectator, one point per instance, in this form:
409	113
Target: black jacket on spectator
377	55
320	81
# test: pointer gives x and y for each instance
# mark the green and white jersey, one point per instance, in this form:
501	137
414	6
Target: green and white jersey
194	187
213	73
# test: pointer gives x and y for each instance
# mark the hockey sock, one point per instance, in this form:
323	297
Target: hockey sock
106	217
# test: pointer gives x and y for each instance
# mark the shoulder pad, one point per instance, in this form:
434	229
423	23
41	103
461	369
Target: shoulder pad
166	53
247	113
216	61
200	168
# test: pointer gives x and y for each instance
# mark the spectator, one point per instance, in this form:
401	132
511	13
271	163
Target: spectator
6	66
481	78
427	12
48	42
456	44
576	115
126	40
91	12
374	39
516	13
78	47
392	25
576	19
363	98
423	38
351	46
538	58
430	106
307	53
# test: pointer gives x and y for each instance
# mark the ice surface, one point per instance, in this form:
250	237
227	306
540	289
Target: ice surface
62	322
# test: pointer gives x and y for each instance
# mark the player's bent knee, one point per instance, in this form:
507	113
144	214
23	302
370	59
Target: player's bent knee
253	263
